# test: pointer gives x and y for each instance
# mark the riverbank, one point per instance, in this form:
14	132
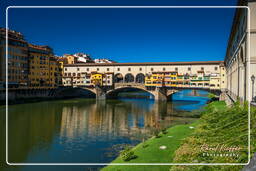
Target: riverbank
217	125
226	127
150	152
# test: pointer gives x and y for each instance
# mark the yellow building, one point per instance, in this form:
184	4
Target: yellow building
96	78
161	79
170	79
71	59
17	59
55	71
155	79
44	69
101	79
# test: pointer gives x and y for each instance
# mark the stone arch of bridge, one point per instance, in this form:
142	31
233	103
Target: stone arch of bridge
73	91
113	93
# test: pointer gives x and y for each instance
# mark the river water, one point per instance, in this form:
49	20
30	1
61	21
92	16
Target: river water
86	130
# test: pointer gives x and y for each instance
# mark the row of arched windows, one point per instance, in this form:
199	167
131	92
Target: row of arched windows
140	78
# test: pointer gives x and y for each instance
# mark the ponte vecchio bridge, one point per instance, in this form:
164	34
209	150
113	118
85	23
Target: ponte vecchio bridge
161	79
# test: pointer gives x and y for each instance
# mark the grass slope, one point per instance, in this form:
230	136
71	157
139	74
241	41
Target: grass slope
152	153
218	125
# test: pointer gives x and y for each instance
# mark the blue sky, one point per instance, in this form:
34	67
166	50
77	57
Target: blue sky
128	35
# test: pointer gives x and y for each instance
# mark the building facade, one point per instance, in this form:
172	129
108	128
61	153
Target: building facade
240	59
209	74
29	66
17	59
44	69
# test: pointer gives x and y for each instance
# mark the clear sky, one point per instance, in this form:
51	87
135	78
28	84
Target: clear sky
129	35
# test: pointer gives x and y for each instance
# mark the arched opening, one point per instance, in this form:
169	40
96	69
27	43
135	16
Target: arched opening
118	78
74	93
129	93
140	78
129	78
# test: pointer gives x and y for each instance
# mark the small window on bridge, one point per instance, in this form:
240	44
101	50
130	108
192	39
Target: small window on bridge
87	69
107	69
189	69
163	69
129	69
98	69
152	69
216	68
140	69
118	69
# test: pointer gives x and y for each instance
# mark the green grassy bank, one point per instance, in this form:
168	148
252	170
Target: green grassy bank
218	125
149	151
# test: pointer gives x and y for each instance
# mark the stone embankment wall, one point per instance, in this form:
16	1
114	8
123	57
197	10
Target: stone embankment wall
27	95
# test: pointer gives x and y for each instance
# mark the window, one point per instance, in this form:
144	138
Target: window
118	69
65	69
163	69
107	69
215	68
140	69
98	69
176	69
189	69
202	68
152	69
87	69
129	69
78	69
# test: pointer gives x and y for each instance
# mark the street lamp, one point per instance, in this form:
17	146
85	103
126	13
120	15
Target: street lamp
253	79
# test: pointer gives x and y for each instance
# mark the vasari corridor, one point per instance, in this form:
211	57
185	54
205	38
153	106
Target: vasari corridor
128	86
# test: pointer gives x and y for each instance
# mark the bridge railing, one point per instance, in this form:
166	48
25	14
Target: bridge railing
129	85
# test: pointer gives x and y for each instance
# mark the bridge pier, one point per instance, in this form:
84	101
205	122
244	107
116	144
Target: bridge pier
100	93
160	94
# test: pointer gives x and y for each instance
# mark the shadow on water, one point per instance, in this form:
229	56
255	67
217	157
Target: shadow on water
85	130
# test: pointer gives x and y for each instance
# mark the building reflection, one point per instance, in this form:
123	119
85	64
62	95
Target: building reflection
75	126
107	119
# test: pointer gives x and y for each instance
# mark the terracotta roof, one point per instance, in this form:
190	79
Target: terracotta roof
147	63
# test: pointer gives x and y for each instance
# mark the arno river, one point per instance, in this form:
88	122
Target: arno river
86	130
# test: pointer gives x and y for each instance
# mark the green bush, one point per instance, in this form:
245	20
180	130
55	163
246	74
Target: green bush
211	96
144	145
127	154
164	131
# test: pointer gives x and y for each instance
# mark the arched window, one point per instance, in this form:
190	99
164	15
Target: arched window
118	78
129	78
140	78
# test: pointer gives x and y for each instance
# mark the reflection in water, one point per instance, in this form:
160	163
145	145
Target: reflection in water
83	130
